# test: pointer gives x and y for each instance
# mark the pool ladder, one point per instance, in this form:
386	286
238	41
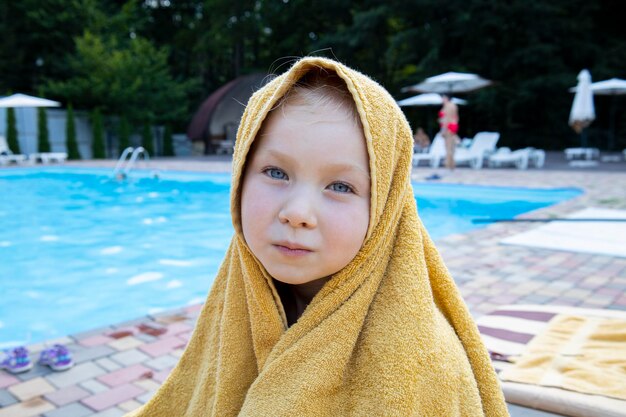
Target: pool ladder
123	166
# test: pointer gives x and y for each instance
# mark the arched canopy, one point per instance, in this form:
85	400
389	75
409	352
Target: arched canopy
216	116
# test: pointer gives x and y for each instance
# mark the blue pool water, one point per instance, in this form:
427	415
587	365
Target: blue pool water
79	250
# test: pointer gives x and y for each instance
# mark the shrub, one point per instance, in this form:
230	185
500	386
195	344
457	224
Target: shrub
43	137
12	142
168	143
70	135
146	139
124	134
98	135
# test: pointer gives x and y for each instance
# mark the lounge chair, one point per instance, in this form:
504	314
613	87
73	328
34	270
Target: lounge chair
47	157
7	156
521	158
227	145
436	153
581	153
483	144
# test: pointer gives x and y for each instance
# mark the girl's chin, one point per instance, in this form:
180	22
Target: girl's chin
299	280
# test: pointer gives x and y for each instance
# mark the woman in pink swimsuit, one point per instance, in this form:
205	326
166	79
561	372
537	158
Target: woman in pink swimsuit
449	125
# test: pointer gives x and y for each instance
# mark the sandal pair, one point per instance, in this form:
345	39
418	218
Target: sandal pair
17	360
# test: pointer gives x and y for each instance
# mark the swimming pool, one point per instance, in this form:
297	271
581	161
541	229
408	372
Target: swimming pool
79	250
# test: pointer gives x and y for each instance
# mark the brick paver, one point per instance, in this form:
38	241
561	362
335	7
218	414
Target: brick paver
28	408
112	397
67	395
125	375
119	367
31	389
70	410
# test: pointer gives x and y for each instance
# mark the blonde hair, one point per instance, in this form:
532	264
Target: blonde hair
321	87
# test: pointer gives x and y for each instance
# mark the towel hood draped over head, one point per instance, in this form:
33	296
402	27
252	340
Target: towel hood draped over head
387	335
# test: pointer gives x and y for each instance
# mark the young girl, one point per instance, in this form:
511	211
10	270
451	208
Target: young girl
332	299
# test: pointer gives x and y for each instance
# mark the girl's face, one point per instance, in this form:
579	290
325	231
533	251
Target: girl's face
306	193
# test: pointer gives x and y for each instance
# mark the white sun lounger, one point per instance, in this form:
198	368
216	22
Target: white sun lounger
47	157
436	153
584	153
521	158
6	159
483	144
7	156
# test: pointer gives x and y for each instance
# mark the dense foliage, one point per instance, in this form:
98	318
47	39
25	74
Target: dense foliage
153	61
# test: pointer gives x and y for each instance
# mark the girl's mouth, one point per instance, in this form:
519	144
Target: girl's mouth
292	249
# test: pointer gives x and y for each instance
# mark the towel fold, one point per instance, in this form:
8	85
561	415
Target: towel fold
577	353
387	335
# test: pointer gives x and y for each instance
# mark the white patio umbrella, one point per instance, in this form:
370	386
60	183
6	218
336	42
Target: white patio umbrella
612	87
583	111
428	99
23	100
26	101
450	83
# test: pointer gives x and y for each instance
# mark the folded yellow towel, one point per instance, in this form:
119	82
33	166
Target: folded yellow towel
583	354
388	335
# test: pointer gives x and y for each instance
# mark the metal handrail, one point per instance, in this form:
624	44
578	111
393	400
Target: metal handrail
121	160
123	166
133	158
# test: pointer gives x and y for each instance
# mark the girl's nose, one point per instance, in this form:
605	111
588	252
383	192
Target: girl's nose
298	211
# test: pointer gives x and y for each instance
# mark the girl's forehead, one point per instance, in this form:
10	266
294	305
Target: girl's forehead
296	131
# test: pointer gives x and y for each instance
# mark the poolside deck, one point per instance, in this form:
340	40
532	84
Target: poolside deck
120	366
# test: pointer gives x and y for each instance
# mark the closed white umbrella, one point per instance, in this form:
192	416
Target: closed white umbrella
427	99
449	83
583	111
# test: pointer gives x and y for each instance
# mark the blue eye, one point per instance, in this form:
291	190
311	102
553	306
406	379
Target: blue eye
340	187
275	173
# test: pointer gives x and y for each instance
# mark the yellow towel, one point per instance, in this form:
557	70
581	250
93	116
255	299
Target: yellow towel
583	354
388	335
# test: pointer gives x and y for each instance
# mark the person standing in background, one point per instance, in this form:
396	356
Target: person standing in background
449	125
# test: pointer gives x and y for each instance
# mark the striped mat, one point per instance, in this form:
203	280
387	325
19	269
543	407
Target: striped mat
508	330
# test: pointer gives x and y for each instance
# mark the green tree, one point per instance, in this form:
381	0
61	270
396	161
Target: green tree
36	36
123	134
129	56
147	140
129	77
168	143
12	140
70	135
98	135
43	139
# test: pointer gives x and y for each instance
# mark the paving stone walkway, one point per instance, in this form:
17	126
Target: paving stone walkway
119	367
